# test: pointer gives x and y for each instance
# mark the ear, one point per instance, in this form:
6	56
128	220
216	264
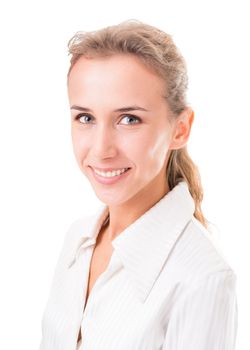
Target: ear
182	128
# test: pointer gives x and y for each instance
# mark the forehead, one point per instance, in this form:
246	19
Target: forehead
120	74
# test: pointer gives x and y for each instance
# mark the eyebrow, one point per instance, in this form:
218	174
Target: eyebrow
123	109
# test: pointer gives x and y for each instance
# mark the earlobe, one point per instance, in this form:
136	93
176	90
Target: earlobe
182	129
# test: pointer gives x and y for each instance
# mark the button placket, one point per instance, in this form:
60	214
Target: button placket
112	266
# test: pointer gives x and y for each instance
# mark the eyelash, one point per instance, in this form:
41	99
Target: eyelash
125	115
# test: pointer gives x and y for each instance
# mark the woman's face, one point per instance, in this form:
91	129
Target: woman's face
120	120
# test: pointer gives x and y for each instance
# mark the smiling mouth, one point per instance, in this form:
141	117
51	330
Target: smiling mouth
110	173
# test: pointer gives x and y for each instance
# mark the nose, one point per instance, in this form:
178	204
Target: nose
104	142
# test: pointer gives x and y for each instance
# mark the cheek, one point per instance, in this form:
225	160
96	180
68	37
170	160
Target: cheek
80	143
150	147
159	148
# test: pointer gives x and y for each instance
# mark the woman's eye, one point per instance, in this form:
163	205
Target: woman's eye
83	118
133	117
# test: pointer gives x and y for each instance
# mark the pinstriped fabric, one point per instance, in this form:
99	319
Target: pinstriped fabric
166	287
205	316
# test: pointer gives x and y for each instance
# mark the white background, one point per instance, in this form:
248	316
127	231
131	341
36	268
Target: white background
41	188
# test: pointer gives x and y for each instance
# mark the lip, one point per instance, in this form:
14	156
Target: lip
108	169
110	180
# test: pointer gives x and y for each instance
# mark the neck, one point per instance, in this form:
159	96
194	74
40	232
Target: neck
122	216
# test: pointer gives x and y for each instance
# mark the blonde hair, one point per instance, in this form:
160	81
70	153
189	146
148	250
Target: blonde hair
158	52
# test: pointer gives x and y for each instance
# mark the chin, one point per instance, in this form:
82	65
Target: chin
116	198
111	202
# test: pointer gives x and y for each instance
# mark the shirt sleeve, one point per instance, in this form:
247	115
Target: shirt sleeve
206	317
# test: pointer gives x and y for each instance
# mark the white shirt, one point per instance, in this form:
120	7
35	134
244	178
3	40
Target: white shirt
166	287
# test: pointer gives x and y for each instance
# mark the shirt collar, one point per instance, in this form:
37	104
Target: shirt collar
144	246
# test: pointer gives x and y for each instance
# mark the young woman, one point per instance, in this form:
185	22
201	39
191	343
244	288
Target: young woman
142	273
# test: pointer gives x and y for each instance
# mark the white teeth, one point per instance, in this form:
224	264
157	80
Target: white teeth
110	173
